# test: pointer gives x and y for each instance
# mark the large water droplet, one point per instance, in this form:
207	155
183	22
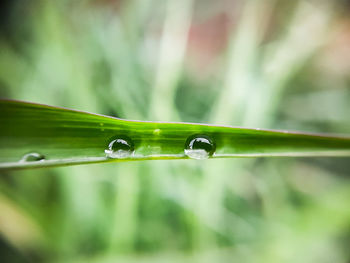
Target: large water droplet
121	147
199	147
32	157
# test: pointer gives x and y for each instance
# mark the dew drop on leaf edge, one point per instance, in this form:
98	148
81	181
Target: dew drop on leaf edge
32	157
199	147
120	147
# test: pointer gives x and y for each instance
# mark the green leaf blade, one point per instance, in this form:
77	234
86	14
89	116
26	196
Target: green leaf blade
66	137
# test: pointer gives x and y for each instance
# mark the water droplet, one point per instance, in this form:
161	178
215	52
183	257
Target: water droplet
119	148
156	131
199	147
32	157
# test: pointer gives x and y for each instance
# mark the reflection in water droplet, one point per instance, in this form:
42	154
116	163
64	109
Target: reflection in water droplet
101	127
32	157
199	147
120	148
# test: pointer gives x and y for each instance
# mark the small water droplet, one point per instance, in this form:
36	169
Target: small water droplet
199	147
32	157
156	131
119	148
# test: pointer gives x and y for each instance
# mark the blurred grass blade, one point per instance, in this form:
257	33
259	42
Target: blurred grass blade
34	135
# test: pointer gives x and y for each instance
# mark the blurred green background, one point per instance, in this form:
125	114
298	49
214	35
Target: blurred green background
263	64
